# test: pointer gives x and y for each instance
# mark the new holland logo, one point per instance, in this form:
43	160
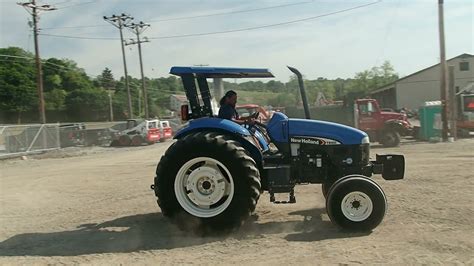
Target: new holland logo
313	141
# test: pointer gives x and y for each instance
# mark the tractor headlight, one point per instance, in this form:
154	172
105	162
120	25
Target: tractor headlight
366	140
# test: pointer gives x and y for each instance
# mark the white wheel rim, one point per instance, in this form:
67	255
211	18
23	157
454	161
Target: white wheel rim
356	206
204	187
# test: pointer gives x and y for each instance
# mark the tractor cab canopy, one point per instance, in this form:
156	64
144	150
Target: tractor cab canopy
222	72
190	75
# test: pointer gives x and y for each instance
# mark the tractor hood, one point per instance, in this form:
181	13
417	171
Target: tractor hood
283	129
328	132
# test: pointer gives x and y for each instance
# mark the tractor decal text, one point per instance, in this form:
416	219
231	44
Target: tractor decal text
314	141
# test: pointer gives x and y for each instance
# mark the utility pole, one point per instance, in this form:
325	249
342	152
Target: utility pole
444	73
138	29
453	104
119	22
111	107
33	9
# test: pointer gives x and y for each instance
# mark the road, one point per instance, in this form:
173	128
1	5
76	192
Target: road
95	206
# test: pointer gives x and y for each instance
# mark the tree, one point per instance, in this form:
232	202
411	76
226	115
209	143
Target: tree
87	104
368	80
55	99
17	87
106	79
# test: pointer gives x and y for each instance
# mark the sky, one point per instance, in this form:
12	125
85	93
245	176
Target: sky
405	32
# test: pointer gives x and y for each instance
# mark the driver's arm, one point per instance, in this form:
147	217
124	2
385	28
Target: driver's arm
244	120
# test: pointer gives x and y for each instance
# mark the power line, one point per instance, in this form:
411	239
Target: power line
78	4
224	31
79	37
45	63
192	17
74	27
267	26
63	2
231	12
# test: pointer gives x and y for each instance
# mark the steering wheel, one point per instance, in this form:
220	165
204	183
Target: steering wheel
255	115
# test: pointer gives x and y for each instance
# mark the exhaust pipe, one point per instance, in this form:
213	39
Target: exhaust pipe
302	91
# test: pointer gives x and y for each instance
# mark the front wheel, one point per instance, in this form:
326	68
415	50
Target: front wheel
325	187
390	138
124	140
207	183
356	203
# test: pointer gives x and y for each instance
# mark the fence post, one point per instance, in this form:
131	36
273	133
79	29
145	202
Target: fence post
58	141
36	137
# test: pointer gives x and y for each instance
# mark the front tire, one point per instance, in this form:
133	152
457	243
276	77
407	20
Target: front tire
391	138
207	183
124	140
325	187
356	203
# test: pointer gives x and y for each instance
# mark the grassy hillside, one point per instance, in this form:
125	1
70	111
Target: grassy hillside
260	98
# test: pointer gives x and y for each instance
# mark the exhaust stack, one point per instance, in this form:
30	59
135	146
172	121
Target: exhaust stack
302	91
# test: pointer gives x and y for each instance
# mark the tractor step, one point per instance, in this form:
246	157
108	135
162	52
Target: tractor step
291	198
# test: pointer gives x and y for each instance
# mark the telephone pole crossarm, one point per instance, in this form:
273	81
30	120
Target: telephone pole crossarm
119	21
138	29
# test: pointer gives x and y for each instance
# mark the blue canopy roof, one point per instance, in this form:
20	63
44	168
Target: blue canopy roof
222	72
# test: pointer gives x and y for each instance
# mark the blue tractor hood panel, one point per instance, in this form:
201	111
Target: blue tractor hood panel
212	123
315	128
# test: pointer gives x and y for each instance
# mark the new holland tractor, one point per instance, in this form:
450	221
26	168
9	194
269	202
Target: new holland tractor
211	178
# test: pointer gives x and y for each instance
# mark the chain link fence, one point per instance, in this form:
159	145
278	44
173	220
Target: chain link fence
27	139
17	140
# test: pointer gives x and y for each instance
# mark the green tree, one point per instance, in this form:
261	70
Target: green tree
55	99
17	82
368	80
87	104
106	79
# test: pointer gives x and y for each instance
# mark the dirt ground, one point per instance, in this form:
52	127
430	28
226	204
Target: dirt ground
95	206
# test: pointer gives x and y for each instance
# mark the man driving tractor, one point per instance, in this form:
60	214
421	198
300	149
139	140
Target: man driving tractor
227	109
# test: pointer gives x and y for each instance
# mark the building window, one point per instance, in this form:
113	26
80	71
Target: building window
464	66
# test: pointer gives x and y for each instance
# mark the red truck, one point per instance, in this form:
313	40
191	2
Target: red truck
383	127
365	114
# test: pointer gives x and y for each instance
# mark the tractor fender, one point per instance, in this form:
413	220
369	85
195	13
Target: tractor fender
224	126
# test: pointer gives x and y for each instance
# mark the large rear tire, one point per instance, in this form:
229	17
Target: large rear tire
207	183
356	203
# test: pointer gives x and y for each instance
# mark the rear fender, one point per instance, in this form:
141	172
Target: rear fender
229	128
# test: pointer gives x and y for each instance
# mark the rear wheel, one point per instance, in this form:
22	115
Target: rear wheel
207	183
124	140
390	138
137	140
356	203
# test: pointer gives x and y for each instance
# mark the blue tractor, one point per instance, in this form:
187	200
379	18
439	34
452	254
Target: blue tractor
211	178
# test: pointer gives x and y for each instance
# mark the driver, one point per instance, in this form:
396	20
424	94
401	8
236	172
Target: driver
227	109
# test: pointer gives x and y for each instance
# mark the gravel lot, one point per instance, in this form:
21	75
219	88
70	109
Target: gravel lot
95	206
